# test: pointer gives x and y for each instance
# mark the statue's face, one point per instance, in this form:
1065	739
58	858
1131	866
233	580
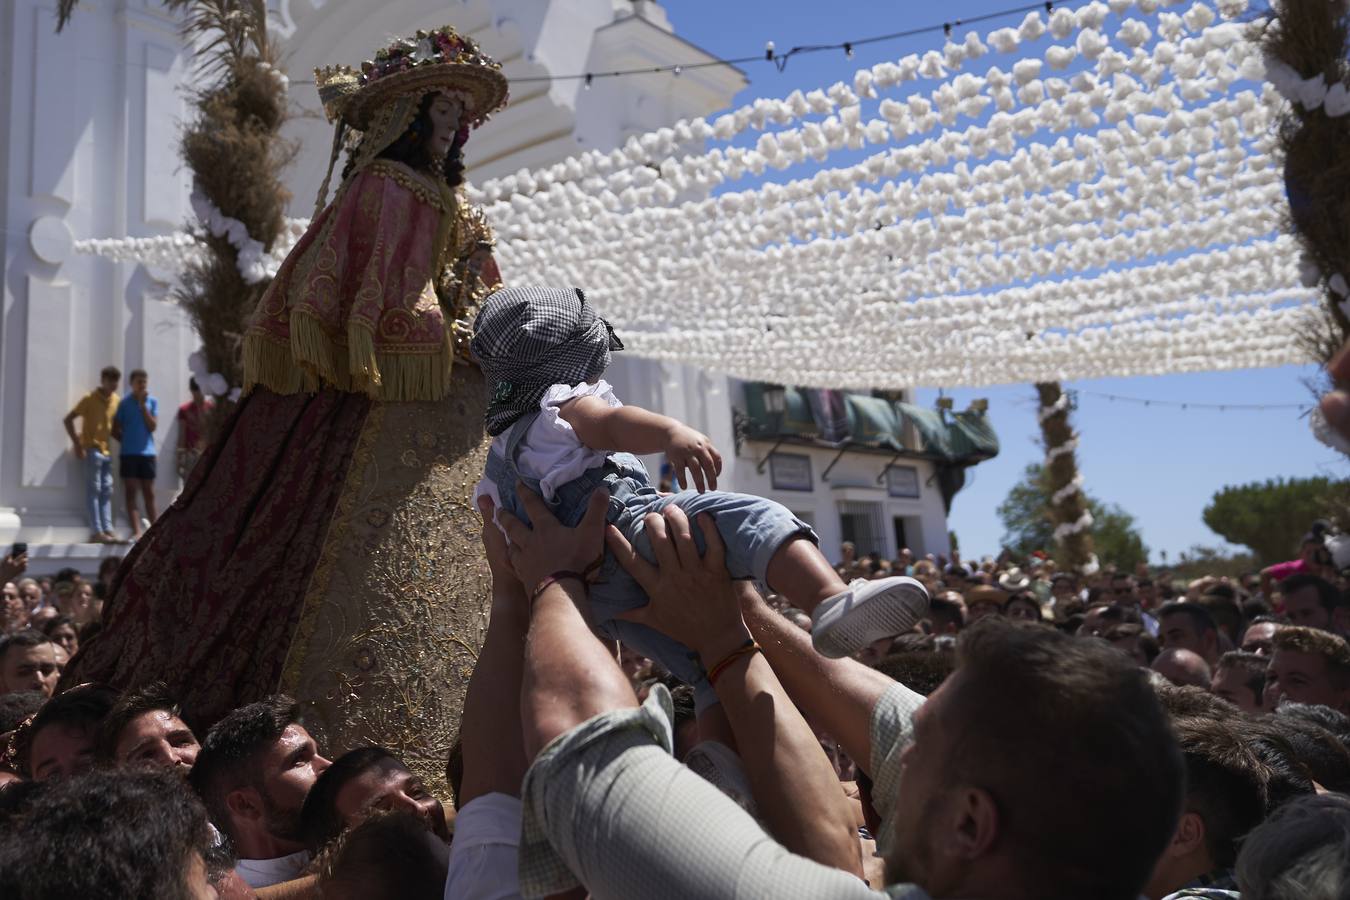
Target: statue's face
445	114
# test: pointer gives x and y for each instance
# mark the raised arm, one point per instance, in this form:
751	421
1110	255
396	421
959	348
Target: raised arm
631	429
694	601
494	754
838	694
613	776
569	676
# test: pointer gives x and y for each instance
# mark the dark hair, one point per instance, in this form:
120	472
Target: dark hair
29	637
103	835
129	707
682	702
1122	614
1021	688
16	707
230	753
14	798
82	707
1181	701
1254	608
1226	591
1253	666
945	612
922	671
192	385
1338	723
913	642
320	821
1321	752
1225	783
1201	619
1289	777
56	622
1072	622
1302	851
386	857
1226	613
137	373
1327	593
411	148
110	372
1127	630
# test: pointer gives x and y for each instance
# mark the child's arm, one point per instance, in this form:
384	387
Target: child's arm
632	429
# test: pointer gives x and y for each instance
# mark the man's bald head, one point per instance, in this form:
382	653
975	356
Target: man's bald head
1183	667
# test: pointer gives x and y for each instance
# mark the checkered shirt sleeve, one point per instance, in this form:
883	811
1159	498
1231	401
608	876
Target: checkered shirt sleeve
892	731
606	806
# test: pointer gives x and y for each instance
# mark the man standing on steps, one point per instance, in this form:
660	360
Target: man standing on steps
134	426
95	412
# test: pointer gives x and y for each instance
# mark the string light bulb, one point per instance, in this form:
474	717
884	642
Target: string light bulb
589	78
768	50
848	50
677	70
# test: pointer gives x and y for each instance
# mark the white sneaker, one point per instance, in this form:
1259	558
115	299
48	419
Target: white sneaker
867	612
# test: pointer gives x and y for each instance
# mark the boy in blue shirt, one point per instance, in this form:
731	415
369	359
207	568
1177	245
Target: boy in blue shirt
134	426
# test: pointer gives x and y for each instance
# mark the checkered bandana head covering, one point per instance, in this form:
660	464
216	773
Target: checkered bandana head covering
528	339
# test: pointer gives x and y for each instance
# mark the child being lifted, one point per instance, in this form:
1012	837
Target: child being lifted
560	431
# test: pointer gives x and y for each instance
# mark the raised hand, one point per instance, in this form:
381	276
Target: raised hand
548	547
693	598
692	450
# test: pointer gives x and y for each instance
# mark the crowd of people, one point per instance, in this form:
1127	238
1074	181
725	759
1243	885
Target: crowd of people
1038	734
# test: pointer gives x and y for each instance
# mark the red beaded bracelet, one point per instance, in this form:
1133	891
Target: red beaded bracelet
746	649
554	579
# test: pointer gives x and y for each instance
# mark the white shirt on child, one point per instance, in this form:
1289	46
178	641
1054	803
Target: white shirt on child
550	451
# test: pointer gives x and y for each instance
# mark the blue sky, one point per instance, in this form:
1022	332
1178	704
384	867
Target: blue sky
1160	464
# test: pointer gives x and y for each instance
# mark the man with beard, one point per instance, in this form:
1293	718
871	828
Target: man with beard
255	768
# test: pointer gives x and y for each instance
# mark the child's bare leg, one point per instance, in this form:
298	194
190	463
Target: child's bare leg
801	573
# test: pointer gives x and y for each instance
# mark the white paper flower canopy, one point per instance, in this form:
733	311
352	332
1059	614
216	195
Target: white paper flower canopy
1106	205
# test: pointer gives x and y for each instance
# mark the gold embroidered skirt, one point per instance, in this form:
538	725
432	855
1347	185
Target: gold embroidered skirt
397	608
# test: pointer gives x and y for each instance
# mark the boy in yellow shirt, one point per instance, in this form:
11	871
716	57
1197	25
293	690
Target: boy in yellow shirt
95	412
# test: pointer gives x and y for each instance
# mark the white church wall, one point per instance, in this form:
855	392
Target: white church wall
82	158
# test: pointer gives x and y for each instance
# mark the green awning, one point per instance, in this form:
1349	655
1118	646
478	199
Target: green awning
960	438
972	437
873	420
929	424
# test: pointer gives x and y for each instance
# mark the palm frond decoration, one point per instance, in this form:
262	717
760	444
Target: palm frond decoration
225	33
233	147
